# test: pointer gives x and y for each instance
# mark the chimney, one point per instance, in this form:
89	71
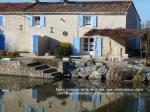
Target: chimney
35	1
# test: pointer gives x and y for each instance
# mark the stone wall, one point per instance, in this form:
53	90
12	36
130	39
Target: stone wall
16	68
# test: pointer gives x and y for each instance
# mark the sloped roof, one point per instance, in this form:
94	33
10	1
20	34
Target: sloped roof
119	35
107	6
13	7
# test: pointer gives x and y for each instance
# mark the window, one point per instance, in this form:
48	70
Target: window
36	20
88	44
87	20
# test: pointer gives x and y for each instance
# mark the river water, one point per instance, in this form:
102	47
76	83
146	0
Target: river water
37	95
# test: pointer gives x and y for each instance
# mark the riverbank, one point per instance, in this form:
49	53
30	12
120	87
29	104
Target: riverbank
126	71
113	71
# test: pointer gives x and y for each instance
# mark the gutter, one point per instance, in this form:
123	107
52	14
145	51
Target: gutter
72	13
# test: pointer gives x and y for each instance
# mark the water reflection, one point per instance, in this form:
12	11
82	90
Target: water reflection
34	95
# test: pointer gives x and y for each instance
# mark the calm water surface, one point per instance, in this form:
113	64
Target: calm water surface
37	95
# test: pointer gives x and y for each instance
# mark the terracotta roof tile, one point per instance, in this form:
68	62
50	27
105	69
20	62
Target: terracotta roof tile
13	7
109	6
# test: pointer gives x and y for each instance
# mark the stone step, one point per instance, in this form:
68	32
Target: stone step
41	67
75	58
50	70
52	75
59	77
33	64
55	74
27	55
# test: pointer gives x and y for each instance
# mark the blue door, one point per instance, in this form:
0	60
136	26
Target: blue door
76	46
98	46
35	44
34	93
2	42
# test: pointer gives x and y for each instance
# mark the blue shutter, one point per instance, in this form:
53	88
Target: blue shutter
141	105
35	44
2	42
30	20
1	20
1	106
76	46
98	46
34	93
29	109
75	96
42	21
81	21
39	109
94	21
96	98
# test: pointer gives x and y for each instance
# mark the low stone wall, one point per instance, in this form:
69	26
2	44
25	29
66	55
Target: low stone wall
17	68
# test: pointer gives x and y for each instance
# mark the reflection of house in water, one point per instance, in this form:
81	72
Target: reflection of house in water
45	99
18	83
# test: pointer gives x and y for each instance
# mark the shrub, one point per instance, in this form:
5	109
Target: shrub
116	73
63	50
9	54
147	62
137	76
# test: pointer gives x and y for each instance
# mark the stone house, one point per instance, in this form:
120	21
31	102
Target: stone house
39	27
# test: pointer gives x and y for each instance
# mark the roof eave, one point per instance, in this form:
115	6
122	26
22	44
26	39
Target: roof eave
84	13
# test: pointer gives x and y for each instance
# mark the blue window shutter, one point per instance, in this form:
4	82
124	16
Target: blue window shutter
34	93
75	96
1	20
35	44
29	109
96	98
81	21
76	46
39	109
30	20
141	105
2	42
42	21
94	21
98	46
